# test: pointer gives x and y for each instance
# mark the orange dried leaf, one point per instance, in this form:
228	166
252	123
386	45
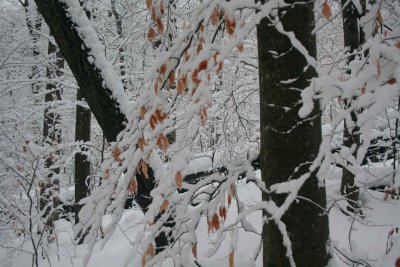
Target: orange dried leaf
116	153
153	121
232	259
141	143
222	213
215	221
150	250
397	44
194	250
178	179
151	34
182	85
229	200
171	78
201	28
164	206
145	169
215	56
148	4
215	16
240	47
219	68
160	116
203	115
397	262
142	112
160	26
202	65
392	81
326	10
199	47
163	68
144	260
379	17
106	174
133	186
162	142
230	25
195	78
153	13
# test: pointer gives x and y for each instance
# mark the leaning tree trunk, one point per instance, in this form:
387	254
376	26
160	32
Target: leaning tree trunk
289	144
90	80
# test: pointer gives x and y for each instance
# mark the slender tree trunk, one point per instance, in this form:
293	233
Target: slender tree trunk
52	136
82	165
121	51
351	138
289	144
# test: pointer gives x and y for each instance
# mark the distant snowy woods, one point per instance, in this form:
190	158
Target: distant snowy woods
199	133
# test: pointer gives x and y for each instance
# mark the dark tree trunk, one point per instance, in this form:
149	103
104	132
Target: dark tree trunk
52	136
289	142
89	78
82	134
82	165
352	40
93	88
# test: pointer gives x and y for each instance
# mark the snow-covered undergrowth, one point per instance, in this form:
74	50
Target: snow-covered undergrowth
370	240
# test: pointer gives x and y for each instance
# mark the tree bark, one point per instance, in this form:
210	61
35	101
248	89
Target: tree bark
352	40
82	165
99	98
289	142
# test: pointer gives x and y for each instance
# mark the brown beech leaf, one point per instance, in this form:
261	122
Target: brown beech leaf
162	142
379	17
230	25
194	250
240	47
145	169
397	44
153	12
153	121
229	200
116	153
144	259
215	56
215	16
151	34
199	47
182	85
326	10
150	250
160	26
398	262
141	143
203	115
133	186
106	174
392	81
202	65
219	68
163	68
178	179
164	206
232	259
148	4
195	78
142	112
215	221
171	78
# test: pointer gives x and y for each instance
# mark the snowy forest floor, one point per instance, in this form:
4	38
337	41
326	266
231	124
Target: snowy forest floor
368	236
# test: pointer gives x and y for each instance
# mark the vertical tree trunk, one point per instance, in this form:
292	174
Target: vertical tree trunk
352	40
82	165
121	51
289	142
52	136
